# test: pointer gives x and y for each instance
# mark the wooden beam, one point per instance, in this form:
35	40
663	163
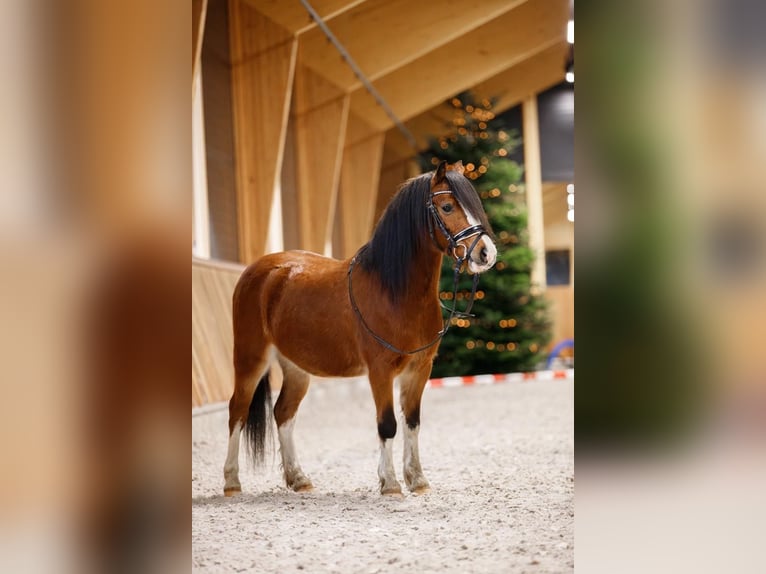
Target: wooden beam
383	35
360	176
466	61
509	88
263	63
533	180
199	11
320	116
292	16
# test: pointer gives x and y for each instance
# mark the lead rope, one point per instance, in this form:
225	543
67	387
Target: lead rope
447	323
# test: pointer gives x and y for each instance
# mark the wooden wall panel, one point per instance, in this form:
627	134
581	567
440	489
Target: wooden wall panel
320	117
357	197
212	371
263	62
561	300
393	173
219	135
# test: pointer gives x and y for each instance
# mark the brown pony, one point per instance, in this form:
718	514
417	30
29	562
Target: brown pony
377	314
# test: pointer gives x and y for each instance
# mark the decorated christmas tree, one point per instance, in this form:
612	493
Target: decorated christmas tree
511	328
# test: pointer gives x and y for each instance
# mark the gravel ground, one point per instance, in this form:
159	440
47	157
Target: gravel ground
499	459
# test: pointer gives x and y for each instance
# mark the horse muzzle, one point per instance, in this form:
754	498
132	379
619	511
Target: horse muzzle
483	255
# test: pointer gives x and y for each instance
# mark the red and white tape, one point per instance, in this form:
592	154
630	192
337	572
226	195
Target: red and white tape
494	379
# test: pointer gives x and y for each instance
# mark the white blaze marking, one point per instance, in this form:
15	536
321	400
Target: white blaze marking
475	266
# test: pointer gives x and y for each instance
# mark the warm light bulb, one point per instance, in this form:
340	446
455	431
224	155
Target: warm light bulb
570	215
569	77
570	31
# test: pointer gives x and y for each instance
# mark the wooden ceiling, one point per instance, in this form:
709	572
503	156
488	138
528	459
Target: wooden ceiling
419	54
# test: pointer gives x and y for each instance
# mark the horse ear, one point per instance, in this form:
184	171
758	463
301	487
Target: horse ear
440	173
458	167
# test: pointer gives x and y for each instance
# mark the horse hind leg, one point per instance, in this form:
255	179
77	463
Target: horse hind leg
247	407
295	384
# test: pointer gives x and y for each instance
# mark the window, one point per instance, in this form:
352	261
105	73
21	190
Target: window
557	267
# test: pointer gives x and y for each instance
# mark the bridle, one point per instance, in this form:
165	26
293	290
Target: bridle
452	240
452	247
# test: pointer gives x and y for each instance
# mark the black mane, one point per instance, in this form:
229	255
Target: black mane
403	228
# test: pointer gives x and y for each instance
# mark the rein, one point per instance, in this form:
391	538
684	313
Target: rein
452	243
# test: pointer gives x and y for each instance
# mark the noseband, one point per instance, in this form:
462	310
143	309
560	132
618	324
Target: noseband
453	242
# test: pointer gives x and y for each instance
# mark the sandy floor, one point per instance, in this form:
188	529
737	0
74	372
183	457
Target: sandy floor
499	459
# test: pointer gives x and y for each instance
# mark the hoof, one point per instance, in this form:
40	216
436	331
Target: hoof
301	484
232	491
394	494
392	490
417	484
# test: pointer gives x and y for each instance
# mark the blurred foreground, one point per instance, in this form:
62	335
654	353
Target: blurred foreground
94	269
671	296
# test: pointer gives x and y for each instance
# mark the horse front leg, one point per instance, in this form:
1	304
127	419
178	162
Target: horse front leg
412	384
383	393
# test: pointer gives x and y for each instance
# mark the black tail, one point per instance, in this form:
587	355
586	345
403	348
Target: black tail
258	425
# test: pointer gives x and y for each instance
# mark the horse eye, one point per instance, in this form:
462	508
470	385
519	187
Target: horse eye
447	207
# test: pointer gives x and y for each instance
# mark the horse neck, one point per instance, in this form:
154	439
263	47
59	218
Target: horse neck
424	276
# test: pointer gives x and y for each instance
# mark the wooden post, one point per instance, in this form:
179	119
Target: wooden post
199	11
534	188
263	65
